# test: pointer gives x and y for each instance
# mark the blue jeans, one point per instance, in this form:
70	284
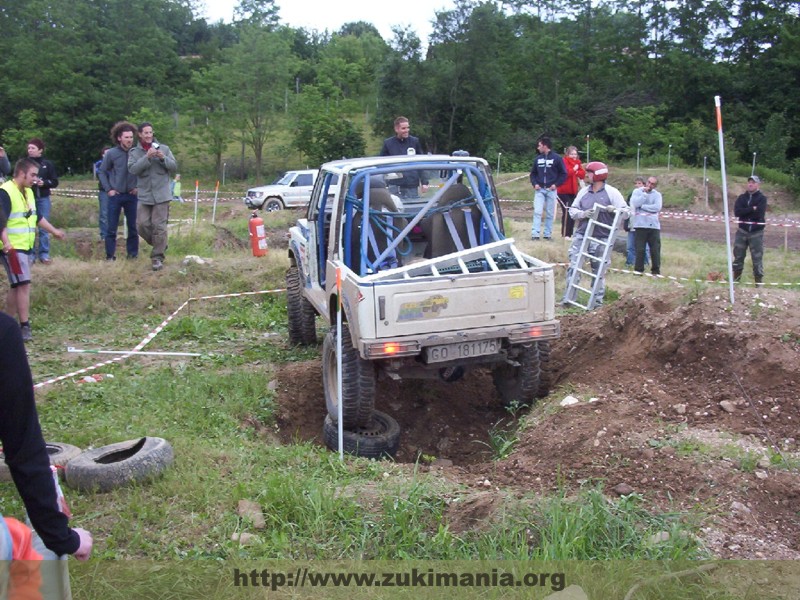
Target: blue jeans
102	219
42	249
117	204
544	200
630	260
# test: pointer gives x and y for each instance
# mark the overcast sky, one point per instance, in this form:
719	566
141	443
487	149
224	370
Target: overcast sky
331	15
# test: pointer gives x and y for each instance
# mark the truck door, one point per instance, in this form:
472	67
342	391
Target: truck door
320	211
299	191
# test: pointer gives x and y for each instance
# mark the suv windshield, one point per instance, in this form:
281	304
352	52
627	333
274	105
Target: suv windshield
286	179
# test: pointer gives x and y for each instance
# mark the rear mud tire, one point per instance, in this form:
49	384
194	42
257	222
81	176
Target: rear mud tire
380	438
358	382
300	313
522	385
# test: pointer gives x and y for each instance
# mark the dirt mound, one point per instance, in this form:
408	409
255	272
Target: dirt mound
694	407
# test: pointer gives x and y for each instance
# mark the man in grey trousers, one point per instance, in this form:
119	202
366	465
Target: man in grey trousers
154	166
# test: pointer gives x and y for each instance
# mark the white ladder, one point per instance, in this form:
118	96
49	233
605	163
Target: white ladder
581	268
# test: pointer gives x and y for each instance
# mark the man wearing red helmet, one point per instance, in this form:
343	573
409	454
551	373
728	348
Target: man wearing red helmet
610	200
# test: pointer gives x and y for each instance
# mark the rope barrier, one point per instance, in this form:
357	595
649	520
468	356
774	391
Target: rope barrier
150	336
79	193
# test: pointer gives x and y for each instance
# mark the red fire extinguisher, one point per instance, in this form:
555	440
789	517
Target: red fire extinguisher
258	237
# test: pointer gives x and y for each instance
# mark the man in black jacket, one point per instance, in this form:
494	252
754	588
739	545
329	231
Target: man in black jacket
402	143
548	172
25	450
48	179
751	209
121	187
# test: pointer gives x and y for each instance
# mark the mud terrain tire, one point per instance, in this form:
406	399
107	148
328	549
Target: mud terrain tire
109	467
523	384
272	204
379	439
60	454
301	314
358	381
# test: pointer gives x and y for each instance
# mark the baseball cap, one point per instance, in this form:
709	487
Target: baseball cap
754	178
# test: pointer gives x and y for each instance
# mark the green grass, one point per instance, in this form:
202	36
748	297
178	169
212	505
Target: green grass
220	414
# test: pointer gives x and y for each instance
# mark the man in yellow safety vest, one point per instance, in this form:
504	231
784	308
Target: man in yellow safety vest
18	222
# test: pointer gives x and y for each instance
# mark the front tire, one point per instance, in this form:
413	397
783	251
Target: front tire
272	204
358	381
301	315
523	384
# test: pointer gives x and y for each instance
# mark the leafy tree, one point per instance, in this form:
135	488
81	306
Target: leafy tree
260	13
322	132
250	83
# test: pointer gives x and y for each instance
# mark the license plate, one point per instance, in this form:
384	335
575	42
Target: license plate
461	350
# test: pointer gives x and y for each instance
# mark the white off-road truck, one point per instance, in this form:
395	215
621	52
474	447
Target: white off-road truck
413	250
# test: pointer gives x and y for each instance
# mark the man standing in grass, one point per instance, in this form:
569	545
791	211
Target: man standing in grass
18	233
154	166
646	203
547	174
46	180
120	185
751	208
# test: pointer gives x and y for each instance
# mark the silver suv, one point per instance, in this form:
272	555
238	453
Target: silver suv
290	190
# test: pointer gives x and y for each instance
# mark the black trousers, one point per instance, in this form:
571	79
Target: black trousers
650	237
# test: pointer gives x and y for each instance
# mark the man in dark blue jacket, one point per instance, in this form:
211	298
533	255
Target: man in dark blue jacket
547	174
751	208
404	144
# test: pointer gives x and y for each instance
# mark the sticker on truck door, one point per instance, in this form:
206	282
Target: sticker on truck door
424	309
516	292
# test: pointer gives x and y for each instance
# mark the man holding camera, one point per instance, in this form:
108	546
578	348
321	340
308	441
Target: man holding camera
154	166
18	222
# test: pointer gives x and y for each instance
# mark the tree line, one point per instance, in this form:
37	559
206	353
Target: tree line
633	75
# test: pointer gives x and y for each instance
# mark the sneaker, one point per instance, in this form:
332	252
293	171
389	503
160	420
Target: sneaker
157	264
111	258
547	239
27	335
46	261
132	256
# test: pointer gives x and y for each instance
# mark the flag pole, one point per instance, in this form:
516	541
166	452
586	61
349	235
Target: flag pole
717	104
214	211
196	193
340	418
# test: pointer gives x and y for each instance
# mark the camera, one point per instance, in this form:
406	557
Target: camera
156	145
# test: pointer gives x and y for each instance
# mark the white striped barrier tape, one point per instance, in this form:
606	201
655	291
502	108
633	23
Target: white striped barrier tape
689	279
148	338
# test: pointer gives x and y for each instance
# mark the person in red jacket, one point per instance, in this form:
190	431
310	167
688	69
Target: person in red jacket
569	189
20	577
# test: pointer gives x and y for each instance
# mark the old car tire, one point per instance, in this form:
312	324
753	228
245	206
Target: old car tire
358	381
380	438
272	204
109	467
519	384
300	313
60	454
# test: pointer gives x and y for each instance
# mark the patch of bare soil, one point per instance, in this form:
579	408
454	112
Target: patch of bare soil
696	408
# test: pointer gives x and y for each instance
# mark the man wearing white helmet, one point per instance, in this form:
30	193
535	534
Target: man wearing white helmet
611	200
